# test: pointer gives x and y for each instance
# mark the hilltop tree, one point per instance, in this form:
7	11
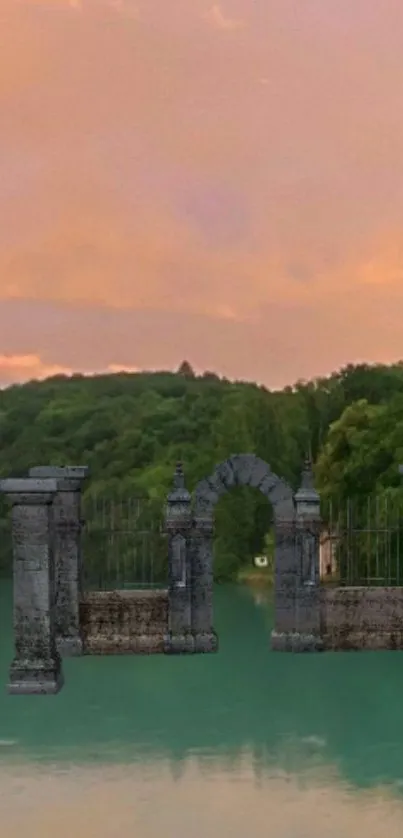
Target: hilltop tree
186	370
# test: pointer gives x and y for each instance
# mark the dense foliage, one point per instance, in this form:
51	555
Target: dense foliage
130	429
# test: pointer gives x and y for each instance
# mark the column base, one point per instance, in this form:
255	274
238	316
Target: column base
69	647
295	641
178	644
205	642
36	677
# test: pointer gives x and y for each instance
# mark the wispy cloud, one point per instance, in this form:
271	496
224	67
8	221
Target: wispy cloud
216	18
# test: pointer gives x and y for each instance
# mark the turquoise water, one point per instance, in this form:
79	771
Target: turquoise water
242	742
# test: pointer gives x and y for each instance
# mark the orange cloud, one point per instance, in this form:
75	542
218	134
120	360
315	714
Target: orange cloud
19	368
121	368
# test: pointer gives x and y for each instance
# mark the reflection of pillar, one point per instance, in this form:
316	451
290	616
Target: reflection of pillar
36	667
205	638
178	522
68	569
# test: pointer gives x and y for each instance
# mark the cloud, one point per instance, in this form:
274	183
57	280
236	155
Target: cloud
218	20
19	368
121	368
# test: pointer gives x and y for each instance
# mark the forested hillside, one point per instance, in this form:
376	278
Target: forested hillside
130	429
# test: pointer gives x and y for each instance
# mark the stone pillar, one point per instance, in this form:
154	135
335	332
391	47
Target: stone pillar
308	528
68	559
205	638
287	575
178	523
36	668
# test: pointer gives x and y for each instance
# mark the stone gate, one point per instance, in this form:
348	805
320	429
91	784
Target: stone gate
191	530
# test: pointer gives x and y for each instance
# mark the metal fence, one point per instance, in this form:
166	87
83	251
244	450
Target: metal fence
123	544
363	539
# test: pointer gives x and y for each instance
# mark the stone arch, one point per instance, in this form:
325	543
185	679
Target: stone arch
241	470
245	470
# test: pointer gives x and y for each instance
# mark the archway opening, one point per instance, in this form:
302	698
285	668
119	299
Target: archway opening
244	537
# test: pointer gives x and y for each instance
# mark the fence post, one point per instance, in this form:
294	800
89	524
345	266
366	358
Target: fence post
36	668
178	524
68	558
308	528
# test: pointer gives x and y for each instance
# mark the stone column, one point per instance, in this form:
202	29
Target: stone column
287	577
36	668
178	523
205	638
68	559
308	528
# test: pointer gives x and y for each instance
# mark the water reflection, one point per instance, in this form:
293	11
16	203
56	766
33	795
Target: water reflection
244	741
106	801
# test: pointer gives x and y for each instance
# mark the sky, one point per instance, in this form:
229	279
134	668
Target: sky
220	183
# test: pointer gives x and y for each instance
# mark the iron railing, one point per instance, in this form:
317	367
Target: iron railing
365	538
123	544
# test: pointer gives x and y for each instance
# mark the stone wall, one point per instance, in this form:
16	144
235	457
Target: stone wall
124	622
362	618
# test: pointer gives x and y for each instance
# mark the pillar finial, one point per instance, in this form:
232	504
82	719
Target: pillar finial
307	479
179	477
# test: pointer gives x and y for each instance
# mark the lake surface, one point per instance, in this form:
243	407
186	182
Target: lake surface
243	743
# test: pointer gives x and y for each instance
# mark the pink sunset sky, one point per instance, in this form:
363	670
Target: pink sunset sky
216	182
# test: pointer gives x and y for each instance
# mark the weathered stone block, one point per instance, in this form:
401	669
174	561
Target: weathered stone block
296	642
124	622
27	488
243	467
205	642
67	553
35	677
68	472
36	668
179	644
362	617
260	472
226	475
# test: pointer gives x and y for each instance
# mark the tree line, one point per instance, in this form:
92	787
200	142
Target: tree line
131	429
